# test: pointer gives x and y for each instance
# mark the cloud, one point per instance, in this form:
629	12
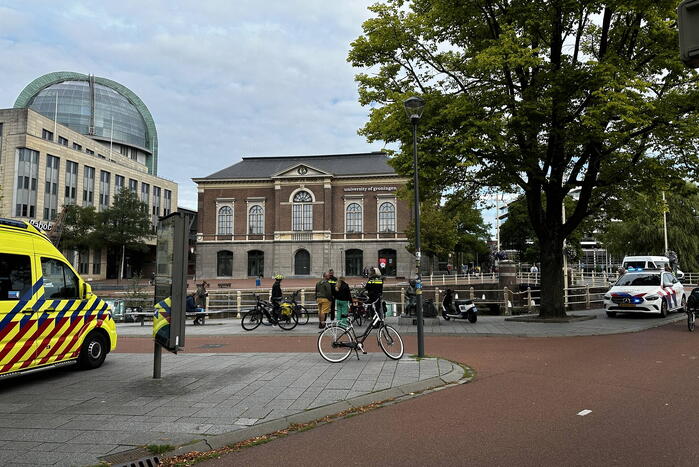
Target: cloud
222	79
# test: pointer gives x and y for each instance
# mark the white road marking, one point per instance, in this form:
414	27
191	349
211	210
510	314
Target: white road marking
582	413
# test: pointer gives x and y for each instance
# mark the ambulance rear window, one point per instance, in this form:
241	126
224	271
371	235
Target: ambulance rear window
15	276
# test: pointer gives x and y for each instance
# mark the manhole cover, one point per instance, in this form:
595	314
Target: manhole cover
210	346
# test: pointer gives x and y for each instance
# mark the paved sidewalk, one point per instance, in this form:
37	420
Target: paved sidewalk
69	417
485	326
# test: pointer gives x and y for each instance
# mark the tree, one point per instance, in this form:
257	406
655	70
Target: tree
79	228
540	97
638	226
471	231
125	224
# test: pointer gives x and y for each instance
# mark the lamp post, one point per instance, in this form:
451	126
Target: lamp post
413	107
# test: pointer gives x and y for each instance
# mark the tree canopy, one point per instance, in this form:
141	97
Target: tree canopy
532	96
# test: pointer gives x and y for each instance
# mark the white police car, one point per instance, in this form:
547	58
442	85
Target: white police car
644	291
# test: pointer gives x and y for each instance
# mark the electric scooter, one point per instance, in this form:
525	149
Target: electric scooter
452	307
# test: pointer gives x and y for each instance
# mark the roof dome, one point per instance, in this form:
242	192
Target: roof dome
93	106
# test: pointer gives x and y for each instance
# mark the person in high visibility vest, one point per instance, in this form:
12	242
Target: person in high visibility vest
374	288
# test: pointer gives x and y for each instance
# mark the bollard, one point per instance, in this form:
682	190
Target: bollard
530	303
470	293
444	279
238	301
436	297
587	297
303	297
430	278
506	301
402	300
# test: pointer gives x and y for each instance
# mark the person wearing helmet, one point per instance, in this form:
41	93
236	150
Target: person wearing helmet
374	288
277	294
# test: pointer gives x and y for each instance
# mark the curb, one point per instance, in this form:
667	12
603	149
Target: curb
456	376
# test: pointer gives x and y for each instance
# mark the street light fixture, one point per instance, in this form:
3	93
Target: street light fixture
413	108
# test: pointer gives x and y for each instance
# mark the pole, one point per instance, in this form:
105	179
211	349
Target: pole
565	264
665	222
418	288
157	359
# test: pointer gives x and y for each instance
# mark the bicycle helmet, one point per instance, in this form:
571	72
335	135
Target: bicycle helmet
278	277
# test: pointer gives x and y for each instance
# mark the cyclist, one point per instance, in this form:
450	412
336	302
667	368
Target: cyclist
276	298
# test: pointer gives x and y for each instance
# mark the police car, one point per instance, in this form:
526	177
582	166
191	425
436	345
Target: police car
645	291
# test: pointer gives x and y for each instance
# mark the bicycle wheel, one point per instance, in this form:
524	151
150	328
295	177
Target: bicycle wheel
390	341
691	317
335	344
251	319
288	321
302	314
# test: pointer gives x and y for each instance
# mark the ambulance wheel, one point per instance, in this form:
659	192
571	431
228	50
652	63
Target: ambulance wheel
663	309
93	352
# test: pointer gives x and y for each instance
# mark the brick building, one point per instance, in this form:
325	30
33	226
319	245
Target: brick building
302	215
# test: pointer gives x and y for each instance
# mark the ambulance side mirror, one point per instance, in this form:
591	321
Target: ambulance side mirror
87	291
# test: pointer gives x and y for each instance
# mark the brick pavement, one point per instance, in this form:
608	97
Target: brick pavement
69	417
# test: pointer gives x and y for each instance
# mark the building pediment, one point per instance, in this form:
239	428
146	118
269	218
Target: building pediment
301	170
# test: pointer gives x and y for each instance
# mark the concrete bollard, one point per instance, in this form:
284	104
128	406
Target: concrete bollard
587	297
471	294
530	302
436	297
238	301
402	300
303	297
506	300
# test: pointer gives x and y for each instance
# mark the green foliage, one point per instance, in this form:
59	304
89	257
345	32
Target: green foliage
638	226
540	97
126	222
159	448
80	228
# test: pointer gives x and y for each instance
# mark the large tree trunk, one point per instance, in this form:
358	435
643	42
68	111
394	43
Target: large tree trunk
552	284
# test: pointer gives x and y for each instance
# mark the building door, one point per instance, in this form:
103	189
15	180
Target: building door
302	263
354	260
387	262
256	263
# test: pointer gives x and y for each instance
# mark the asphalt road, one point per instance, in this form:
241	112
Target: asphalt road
522	408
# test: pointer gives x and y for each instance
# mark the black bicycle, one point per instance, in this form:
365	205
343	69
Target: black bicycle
265	313
301	312
336	342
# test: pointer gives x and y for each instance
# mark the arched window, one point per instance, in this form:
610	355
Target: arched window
225	221
302	212
256	263
224	263
353	218
354	262
387	217
302	263
256	220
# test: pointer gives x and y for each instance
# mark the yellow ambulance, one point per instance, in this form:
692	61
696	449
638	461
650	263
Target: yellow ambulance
48	314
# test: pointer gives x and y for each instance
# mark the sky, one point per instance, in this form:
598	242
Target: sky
222	79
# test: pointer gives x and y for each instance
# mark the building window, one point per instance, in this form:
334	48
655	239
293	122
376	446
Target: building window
353	218
224	263
88	186
387	217
256	220
225	221
302	212
27	175
90	152
96	261
84	262
118	183
101	156
145	193
104	189
62	141
354	262
51	187
71	182
156	203
256	263
167	207
47	135
77	147
133	185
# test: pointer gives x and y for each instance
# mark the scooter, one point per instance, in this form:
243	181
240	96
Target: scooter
452	307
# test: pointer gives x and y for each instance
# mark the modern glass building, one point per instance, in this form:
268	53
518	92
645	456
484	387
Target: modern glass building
100	108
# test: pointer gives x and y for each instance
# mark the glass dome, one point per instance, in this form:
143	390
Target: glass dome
74	111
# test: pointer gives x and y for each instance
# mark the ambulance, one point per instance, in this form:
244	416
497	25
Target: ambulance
48	314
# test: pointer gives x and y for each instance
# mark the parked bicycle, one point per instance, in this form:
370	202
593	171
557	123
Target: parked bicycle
358	311
336	342
301	311
264	313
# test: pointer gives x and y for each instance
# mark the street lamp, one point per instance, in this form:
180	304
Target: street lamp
413	107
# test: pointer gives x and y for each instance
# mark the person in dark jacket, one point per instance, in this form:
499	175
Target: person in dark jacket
277	295
193	308
343	297
332	280
374	288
